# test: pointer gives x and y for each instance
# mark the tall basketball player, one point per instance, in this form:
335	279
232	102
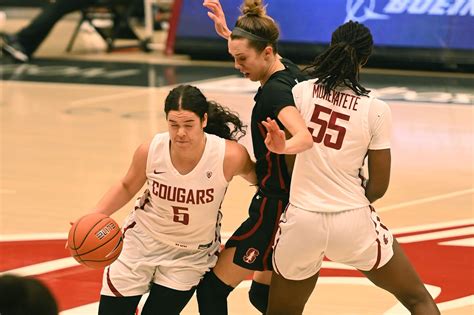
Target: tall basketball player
172	237
253	45
330	212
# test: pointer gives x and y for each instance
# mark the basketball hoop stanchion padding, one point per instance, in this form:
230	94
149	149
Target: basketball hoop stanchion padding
174	22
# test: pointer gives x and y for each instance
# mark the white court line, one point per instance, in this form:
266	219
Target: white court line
467	242
103	98
458	303
44	267
436	235
33	237
143	90
432	226
426	200
398	309
225	235
69	262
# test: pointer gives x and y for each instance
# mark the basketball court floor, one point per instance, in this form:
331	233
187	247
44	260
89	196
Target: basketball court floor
71	122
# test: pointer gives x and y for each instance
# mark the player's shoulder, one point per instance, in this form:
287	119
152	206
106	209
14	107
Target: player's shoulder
300	87
233	147
284	80
234	152
377	104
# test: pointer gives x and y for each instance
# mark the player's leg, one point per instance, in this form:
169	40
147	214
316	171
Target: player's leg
259	290
215	287
297	258
288	297
33	35
361	240
127	278
112	305
400	278
248	249
163	300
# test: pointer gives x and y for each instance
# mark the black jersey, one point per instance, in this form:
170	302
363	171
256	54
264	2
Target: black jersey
273	96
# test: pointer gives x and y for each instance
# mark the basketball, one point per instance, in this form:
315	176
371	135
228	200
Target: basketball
95	240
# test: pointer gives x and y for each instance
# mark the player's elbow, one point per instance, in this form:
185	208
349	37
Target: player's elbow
307	140
374	192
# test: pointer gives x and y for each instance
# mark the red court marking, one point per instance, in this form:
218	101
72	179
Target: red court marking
75	286
448	267
16	254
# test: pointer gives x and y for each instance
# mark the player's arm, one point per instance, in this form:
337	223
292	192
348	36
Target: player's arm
379	174
378	154
237	162
126	188
301	140
216	14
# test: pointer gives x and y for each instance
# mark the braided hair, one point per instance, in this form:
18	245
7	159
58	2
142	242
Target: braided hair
220	120
351	46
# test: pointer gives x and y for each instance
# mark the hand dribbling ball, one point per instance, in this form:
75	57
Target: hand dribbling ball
95	240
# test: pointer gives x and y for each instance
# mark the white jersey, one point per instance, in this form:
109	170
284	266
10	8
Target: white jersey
183	210
326	178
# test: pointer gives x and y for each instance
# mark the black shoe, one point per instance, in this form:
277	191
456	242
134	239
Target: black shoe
13	48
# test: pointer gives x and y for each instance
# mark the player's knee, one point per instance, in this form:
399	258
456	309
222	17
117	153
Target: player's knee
212	295
416	299
110	305
211	285
258	295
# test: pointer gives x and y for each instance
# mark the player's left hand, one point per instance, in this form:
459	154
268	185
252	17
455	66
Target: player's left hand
275	139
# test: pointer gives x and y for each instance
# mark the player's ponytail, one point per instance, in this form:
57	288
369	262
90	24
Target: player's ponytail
224	123
351	46
220	120
255	25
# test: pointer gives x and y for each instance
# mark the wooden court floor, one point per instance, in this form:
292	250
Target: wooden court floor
63	145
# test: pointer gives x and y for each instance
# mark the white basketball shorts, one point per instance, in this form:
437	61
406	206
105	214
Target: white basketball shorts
355	237
144	261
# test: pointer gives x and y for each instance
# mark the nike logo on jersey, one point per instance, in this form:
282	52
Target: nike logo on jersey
157	173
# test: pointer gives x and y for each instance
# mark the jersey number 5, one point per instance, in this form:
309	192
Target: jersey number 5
180	215
327	119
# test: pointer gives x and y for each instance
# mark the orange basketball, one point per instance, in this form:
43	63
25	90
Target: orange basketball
95	240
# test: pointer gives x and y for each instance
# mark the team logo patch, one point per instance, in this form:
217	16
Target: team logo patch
208	174
251	255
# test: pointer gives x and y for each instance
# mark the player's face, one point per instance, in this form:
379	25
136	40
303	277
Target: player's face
252	64
185	128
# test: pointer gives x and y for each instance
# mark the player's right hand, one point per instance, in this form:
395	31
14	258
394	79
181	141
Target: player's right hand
217	15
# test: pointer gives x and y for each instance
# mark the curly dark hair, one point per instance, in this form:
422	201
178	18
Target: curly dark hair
221	121
351	46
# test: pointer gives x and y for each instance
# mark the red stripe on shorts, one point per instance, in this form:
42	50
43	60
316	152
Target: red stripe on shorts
256	226
379	255
275	228
111	286
130	226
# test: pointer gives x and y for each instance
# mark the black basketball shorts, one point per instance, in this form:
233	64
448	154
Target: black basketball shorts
254	238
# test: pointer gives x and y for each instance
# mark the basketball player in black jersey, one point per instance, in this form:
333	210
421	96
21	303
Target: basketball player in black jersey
253	45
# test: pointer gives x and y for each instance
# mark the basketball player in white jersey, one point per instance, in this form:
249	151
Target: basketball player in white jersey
330	212
172	237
